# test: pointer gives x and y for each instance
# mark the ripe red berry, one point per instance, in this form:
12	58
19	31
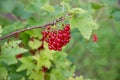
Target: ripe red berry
59	49
50	47
44	69
67	27
48	27
32	52
95	38
43	32
60	31
19	56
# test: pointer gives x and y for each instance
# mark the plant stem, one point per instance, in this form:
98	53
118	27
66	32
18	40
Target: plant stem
99	15
30	28
15	17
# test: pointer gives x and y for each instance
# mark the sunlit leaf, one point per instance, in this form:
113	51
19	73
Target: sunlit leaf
48	7
83	21
37	75
9	52
35	44
0	31
3	73
26	61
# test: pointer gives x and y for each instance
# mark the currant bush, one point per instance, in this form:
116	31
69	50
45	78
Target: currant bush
39	33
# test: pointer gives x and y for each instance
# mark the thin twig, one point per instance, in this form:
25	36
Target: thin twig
99	15
31	28
14	17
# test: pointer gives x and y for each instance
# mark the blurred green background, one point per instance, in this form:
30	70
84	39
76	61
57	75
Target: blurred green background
96	60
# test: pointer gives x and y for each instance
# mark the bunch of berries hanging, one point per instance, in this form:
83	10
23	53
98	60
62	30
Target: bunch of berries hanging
56	39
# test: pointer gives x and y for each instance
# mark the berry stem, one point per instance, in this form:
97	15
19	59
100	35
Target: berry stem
31	28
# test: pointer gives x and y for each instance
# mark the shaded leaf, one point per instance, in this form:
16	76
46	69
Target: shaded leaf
20	12
115	13
35	5
12	27
96	6
7	6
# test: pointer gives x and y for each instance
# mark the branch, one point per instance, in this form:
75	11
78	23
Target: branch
35	27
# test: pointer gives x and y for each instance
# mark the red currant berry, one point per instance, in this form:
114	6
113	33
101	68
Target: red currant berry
59	49
19	56
60	31
95	38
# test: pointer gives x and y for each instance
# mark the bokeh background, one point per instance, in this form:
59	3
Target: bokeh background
98	60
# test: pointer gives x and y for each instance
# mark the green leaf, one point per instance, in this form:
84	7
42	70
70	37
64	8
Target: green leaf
74	22
3	73
57	74
26	61
34	33
52	77
13	75
20	12
85	29
96	6
37	75
47	53
83	21
44	59
35	44
7	5
0	30
48	7
34	6
78	78
9	52
12	27
94	25
109	2
115	13
23	78
76	11
65	4
83	24
63	65
59	58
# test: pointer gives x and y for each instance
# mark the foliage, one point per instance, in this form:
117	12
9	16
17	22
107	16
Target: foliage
98	60
9	51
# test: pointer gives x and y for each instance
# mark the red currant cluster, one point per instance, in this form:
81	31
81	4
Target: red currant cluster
56	39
